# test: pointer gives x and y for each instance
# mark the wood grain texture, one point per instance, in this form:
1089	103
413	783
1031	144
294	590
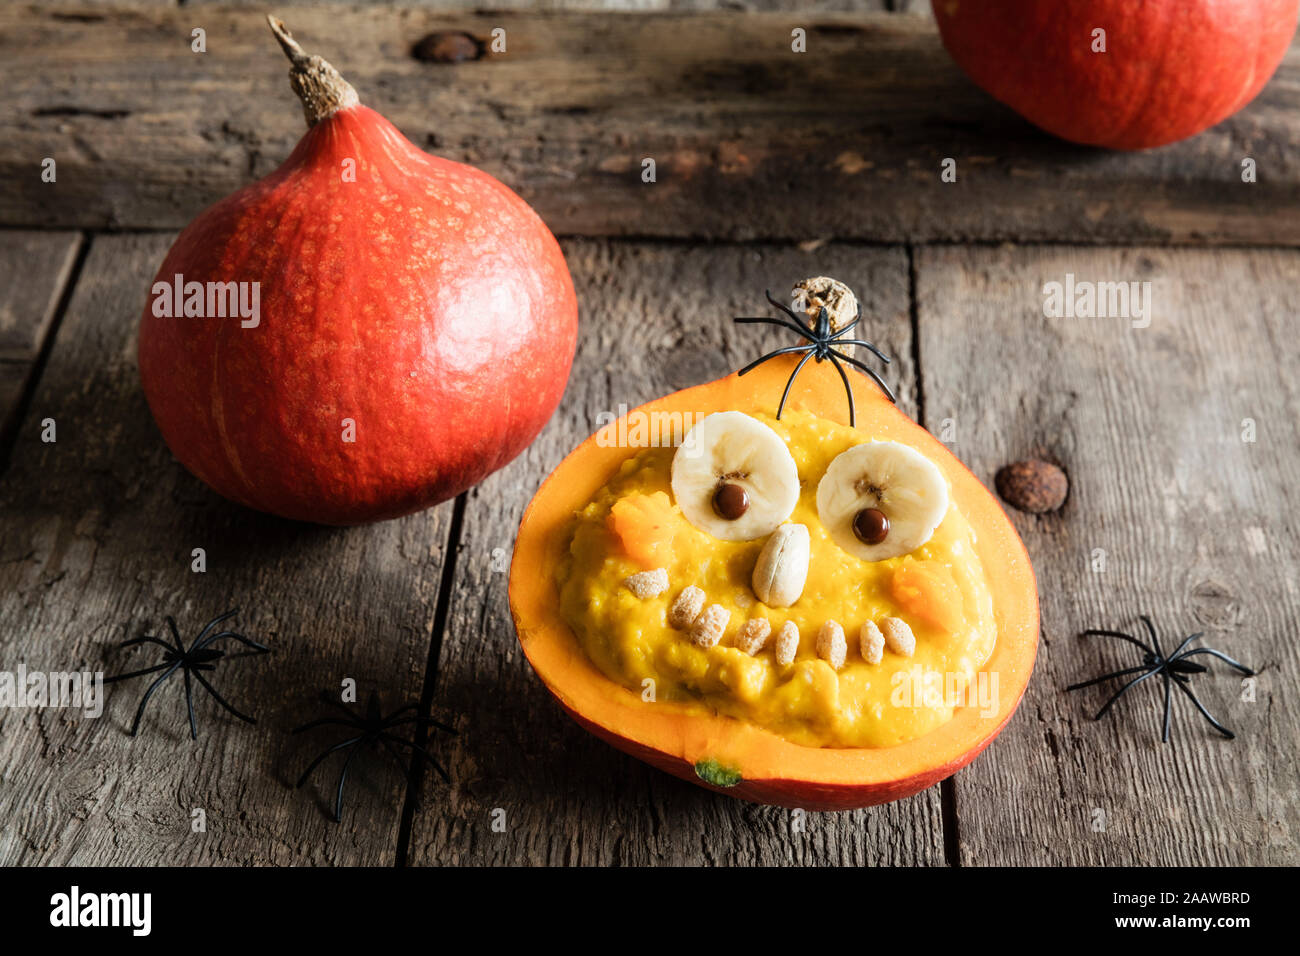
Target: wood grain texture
95	546
586	6
656	319
35	267
1198	527
749	138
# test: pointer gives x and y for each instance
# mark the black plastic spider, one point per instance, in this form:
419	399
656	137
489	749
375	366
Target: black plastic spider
201	656
374	727
821	346
1176	670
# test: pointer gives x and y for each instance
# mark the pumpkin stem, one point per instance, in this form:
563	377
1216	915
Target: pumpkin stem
321	88
813	294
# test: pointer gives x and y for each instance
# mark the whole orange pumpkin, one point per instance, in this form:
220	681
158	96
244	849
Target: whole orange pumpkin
363	333
1127	74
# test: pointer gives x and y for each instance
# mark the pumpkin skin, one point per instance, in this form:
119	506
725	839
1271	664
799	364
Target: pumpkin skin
425	301
724	753
1172	68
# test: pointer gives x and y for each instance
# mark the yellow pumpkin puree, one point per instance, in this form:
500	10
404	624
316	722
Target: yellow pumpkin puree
939	590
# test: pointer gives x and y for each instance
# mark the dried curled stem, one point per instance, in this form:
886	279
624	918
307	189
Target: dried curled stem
819	292
321	88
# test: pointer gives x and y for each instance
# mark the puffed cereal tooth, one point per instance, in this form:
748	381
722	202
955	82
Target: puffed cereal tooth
872	643
686	608
648	584
831	646
787	643
898	635
753	635
709	626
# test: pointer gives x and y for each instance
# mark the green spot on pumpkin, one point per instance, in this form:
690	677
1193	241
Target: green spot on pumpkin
714	773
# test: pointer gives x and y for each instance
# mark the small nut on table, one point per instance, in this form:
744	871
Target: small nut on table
1033	485
448	46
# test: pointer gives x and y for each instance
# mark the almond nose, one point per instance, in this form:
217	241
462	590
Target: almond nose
782	566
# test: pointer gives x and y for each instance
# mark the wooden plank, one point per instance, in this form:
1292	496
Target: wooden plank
37	266
1198	529
590	6
96	546
655	320
749	138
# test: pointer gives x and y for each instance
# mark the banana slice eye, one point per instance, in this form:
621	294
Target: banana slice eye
734	478
881	499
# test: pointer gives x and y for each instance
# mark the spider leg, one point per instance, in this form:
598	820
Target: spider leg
790	383
853	412
148	639
1187	640
139	673
768	320
1120	693
788	311
1221	656
1095	632
221	700
257	648
189	703
1164	738
176	635
1205	713
889	392
850	327
422	752
788	350
149	693
320	757
343	778
236	655
213	623
1106	677
866	345
1155	640
425	721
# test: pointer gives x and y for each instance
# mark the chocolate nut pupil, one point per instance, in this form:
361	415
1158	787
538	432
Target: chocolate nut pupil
870	525
730	501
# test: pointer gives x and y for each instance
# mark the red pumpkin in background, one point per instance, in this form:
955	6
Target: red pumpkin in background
408	324
1170	69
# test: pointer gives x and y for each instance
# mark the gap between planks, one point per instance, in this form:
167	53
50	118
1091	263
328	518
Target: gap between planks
418	769
11	420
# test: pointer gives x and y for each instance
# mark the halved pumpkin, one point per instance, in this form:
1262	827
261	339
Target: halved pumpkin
722	752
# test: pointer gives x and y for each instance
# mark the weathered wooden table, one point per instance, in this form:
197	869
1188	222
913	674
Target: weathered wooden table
1180	438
